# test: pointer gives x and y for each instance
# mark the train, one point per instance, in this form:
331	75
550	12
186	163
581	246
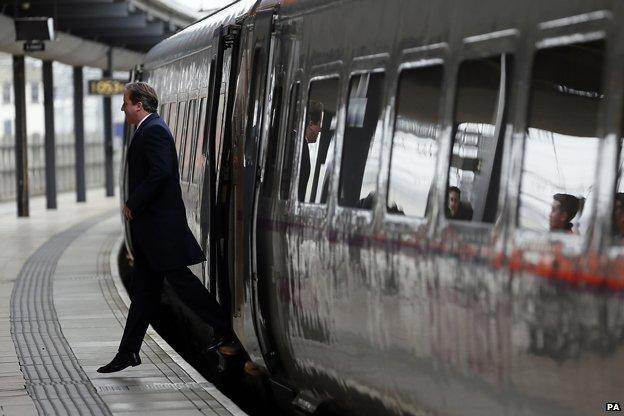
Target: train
321	144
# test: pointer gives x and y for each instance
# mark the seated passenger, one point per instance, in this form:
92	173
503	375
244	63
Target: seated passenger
564	207
618	215
457	210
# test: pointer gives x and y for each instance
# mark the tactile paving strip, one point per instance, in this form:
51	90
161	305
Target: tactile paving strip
54	378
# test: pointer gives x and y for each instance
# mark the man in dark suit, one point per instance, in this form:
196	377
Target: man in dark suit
312	130
162	242
456	209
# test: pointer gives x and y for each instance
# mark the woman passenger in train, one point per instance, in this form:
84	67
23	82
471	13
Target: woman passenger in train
564	207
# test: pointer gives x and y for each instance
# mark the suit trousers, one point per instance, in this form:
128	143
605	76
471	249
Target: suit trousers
145	291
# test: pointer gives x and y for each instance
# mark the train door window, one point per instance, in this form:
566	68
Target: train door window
191	136
318	141
561	142
222	102
271	157
362	141
180	132
414	143
201	138
290	140
478	134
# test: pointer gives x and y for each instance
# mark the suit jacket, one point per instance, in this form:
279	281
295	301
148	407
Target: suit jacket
158	228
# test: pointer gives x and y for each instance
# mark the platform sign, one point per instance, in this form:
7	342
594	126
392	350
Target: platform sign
107	86
34	46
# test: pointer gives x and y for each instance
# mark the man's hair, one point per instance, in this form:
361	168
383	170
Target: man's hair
454	189
569	204
619	197
315	111
142	92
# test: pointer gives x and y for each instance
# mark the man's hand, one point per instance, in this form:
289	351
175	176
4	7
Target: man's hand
125	211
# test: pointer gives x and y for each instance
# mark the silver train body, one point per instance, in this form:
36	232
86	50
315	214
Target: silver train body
352	305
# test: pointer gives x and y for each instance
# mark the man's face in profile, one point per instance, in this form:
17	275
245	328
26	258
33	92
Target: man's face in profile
312	131
453	202
557	217
130	110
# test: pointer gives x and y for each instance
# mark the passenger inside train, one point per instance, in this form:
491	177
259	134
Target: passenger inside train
563	209
312	131
456	209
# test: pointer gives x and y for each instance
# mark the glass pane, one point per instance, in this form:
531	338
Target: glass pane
362	139
271	157
561	147
173	118
414	145
290	141
318	141
180	132
190	139
220	124
201	134
474	172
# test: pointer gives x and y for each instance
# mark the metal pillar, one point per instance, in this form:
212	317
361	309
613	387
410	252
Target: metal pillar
79	147
108	131
21	143
50	148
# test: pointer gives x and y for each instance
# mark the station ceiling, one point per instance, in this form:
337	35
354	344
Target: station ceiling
135	25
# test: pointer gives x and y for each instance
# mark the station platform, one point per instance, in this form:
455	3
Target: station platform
62	311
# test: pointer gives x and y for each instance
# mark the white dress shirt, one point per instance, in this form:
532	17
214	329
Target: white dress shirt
143	119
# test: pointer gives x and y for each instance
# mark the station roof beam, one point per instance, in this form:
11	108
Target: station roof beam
130	24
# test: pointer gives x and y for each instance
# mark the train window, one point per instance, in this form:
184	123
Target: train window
318	141
180	132
191	136
173	118
271	159
478	133
414	144
164	109
220	126
561	142
290	140
362	141
201	135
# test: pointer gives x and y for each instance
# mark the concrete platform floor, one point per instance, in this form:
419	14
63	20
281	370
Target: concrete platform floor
62	310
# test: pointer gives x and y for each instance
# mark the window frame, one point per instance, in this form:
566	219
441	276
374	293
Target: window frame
561	32
289	124
377	63
325	72
475	47
191	138
201	133
180	137
437	54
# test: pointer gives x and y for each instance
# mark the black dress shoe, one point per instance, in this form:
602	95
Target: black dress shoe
218	341
121	361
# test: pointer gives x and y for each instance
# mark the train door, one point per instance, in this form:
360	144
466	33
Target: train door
249	323
217	182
